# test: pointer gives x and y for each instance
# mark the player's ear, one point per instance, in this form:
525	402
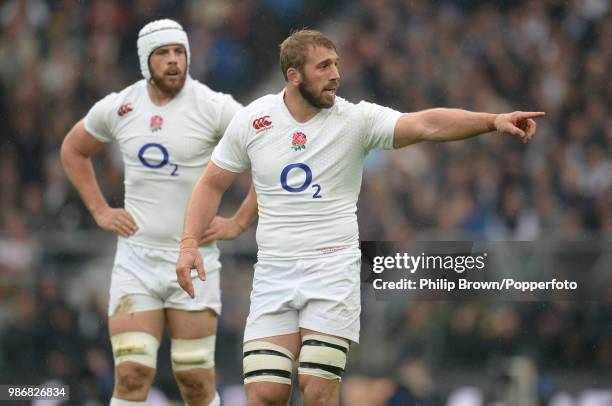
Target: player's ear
294	76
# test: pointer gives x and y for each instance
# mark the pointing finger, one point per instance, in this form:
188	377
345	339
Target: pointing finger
185	282
189	289
530	114
200	268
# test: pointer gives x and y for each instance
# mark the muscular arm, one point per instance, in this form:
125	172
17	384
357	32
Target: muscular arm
77	149
247	213
442	125
229	228
201	209
205	199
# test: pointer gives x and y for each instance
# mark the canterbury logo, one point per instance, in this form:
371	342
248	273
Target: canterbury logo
262	123
123	110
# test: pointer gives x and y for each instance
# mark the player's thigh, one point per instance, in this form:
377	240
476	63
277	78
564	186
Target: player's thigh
290	342
151	322
317	339
265	368
183	324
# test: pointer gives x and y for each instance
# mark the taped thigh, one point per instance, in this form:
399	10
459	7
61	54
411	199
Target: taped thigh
135	346
191	354
267	362
323	356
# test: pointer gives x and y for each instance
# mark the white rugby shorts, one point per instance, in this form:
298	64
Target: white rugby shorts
320	294
145	279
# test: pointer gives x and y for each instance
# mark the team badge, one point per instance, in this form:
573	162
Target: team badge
262	123
298	142
125	109
156	123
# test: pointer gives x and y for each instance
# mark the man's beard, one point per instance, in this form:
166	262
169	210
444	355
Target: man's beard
169	89
318	102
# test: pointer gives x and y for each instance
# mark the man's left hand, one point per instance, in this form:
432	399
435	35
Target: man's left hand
222	228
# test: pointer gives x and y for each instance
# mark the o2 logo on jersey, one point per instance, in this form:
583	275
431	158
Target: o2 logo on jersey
303	186
156	164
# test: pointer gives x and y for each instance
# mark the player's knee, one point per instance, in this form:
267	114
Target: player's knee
192	360
267	394
136	347
192	354
196	388
132	379
316	392
135	355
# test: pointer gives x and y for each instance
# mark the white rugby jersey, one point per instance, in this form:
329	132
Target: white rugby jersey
307	175
164	149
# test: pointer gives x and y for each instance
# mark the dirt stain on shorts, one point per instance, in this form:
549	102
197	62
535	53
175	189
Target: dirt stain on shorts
124	306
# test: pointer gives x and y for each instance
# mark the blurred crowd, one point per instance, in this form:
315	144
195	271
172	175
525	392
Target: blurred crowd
48	339
488	56
62	56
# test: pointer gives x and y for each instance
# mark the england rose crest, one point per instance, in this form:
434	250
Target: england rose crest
156	123
298	141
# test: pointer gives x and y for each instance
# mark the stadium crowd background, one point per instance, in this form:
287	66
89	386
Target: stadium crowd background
59	57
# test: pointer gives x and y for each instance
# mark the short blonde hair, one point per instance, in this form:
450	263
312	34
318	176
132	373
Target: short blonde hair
294	49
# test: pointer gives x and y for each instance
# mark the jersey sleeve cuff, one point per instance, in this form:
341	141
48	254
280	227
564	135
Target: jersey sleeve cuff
96	135
389	126
227	165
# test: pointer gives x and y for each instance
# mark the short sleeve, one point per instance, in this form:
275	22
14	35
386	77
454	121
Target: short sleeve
231	152
379	125
97	121
228	110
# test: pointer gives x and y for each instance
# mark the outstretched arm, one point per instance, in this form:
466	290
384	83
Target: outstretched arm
222	228
77	149
201	209
454	124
